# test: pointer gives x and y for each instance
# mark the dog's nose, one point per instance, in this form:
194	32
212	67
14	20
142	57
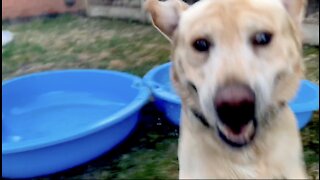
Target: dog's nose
235	106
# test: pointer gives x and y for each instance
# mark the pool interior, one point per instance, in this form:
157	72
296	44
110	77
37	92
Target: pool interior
34	110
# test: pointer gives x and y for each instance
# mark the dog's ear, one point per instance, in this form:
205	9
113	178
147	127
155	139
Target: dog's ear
165	15
296	8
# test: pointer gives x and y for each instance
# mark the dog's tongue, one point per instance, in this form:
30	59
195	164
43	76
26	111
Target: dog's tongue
238	131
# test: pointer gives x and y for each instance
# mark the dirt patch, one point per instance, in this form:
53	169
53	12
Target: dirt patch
33	68
117	64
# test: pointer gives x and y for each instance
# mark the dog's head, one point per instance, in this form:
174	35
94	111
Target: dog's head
234	61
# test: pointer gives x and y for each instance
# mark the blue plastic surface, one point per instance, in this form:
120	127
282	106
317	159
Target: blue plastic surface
167	101
56	120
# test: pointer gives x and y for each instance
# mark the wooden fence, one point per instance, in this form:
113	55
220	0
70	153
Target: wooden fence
133	9
121	9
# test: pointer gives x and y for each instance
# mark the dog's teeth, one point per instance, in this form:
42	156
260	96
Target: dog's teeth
223	129
249	130
246	133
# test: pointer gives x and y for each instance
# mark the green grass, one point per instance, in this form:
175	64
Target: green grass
310	50
71	42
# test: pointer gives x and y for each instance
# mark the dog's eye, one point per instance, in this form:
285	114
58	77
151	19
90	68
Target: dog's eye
261	39
201	45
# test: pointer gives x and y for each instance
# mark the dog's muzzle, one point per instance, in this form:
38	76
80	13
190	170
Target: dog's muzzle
235	107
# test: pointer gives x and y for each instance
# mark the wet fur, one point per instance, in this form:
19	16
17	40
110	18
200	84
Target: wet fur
274	72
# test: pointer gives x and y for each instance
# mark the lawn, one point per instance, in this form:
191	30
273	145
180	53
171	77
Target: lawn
69	42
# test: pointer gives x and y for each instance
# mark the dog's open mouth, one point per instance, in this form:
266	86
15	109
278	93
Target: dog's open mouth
238	139
235	105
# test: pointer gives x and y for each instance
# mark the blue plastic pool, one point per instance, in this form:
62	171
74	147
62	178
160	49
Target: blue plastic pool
56	120
167	101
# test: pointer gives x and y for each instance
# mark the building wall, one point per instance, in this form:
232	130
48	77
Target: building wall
12	9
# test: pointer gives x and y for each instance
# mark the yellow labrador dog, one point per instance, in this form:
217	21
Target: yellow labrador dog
236	64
